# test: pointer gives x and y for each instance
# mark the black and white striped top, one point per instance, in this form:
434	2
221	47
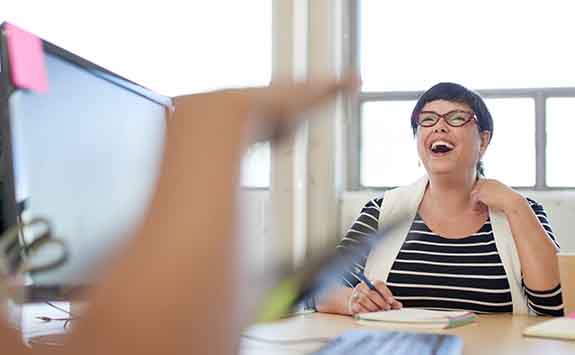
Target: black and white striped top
431	271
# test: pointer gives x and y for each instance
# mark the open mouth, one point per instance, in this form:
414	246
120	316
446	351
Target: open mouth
441	147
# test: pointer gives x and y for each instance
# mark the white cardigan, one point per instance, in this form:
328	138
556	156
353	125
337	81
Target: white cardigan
397	213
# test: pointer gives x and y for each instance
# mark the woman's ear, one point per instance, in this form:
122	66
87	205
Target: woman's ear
485	137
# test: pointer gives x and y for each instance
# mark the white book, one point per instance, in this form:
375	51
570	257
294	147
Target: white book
416	318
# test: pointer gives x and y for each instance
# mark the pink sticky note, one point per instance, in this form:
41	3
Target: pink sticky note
571	315
26	56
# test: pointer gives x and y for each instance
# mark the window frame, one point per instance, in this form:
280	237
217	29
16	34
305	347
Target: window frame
539	96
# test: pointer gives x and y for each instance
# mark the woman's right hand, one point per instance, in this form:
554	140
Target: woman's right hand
363	300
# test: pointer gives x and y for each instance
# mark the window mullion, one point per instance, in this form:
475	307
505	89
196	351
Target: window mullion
540	141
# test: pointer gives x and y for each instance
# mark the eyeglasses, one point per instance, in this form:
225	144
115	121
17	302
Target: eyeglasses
455	118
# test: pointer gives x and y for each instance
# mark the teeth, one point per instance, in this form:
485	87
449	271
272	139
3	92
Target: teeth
441	142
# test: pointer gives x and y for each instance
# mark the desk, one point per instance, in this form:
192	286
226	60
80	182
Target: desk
490	334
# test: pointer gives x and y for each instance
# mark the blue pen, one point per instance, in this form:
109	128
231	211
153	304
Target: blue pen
363	278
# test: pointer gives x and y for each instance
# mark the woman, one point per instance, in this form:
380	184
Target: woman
453	239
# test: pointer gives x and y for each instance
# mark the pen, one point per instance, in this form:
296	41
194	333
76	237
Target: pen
368	283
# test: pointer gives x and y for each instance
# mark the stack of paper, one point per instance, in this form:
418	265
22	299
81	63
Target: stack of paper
417	318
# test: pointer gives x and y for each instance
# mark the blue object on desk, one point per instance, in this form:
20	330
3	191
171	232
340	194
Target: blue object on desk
361	342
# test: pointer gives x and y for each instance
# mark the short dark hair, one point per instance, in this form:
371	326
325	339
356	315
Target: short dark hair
456	93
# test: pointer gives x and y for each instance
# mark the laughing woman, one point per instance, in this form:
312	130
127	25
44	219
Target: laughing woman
453	239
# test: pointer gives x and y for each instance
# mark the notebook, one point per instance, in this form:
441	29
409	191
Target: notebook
417	318
558	328
362	342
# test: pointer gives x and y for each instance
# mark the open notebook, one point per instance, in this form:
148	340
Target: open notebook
417	318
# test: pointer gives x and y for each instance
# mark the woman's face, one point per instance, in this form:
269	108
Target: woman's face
462	147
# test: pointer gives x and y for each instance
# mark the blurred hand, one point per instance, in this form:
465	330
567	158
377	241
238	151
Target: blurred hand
276	110
263	113
364	300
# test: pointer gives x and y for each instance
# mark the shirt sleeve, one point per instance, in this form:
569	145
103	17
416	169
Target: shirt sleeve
544	220
357	240
545	302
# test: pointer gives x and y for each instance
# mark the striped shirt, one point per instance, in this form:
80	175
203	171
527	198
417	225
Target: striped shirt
431	271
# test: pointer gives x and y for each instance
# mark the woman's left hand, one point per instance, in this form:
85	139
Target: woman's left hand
493	194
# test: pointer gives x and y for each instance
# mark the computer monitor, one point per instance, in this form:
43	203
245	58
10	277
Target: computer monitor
84	155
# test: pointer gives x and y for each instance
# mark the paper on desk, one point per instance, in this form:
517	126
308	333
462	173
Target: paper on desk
558	328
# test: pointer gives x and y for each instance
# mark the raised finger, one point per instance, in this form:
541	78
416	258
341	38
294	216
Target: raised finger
293	99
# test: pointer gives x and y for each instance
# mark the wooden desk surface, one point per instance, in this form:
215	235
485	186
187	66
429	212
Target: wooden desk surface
490	334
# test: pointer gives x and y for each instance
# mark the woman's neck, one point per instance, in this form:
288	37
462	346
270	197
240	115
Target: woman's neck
450	194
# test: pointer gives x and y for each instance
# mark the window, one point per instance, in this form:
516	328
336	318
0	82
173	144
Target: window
560	143
388	149
413	44
172	47
406	47
513	141
256	167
